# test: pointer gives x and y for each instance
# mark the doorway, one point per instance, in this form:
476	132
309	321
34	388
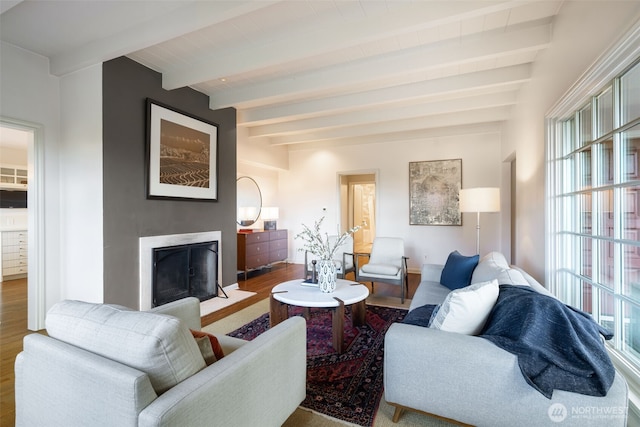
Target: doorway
34	146
358	208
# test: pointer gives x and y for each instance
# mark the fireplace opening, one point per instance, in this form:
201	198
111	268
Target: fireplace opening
183	271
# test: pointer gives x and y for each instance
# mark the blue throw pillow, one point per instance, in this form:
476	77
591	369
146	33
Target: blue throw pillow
457	271
420	316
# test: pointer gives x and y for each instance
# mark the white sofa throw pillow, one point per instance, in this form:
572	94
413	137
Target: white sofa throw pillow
466	310
489	267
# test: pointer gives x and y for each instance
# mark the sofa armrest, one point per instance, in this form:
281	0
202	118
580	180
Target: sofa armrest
431	272
185	309
267	375
59	384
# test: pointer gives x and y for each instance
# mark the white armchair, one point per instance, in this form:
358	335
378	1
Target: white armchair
387	264
343	258
110	366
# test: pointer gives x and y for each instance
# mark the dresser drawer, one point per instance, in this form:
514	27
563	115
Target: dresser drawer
14	255
278	255
256	238
279	235
257	249
257	260
10	271
13	263
275	245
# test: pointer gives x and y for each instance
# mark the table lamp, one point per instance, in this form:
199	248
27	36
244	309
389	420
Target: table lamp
269	217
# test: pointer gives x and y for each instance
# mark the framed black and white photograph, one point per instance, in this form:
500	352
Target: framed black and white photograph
182	155
434	192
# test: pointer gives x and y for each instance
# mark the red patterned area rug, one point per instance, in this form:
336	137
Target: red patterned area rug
345	386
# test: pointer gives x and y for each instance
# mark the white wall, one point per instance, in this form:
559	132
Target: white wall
311	183
30	94
81	242
582	32
258	152
13	156
267	180
68	111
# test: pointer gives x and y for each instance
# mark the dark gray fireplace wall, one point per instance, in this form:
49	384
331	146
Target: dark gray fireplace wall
128	214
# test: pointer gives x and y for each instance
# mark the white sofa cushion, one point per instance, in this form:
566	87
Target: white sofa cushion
489	267
157	344
466	310
383	269
510	276
495	266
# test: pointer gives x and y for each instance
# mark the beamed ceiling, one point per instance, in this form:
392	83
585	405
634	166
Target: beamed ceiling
304	73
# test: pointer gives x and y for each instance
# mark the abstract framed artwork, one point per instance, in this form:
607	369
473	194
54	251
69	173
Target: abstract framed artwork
182	155
434	191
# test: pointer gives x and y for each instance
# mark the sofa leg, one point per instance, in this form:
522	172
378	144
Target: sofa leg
397	413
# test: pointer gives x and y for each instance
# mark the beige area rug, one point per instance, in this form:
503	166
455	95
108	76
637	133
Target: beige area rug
387	301
218	303
303	417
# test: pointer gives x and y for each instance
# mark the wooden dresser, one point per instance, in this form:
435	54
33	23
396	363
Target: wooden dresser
260	248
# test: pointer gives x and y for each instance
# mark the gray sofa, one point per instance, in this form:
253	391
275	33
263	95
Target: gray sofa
470	380
164	381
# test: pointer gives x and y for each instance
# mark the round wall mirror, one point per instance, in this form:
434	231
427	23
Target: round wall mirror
249	201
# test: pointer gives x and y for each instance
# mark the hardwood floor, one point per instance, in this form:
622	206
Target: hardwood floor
13	327
13	319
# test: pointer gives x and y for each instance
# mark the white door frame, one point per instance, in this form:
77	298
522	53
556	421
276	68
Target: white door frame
36	291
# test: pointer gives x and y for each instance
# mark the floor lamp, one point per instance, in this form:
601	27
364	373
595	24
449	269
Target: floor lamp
483	199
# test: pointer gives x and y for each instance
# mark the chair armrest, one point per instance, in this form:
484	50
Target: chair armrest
344	258
268	375
60	384
357	256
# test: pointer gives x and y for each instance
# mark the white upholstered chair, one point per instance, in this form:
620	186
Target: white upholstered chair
343	258
387	264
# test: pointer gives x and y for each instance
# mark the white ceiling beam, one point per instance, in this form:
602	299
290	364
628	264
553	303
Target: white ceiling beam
385	66
387	114
441	120
194	16
319	38
413	91
422	134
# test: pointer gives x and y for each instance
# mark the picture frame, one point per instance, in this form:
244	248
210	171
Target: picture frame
434	192
182	155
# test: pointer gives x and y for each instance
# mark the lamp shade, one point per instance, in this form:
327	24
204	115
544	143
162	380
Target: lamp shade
270	213
482	199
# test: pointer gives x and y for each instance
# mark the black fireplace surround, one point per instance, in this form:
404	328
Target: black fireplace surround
185	270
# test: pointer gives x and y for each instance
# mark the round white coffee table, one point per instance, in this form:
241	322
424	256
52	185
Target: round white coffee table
297	293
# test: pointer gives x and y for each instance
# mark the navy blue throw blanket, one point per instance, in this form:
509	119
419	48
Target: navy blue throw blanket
558	347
